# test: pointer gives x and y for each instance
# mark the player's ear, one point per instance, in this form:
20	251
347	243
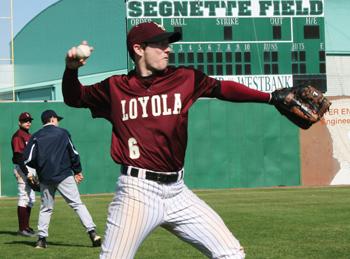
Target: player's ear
138	49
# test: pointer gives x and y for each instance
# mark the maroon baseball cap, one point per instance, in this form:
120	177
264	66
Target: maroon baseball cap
149	32
25	116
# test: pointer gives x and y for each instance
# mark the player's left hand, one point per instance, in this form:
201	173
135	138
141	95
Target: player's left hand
303	105
78	177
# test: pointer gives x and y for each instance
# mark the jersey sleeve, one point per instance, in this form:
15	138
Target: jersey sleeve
74	156
18	144
30	153
204	85
236	92
96	97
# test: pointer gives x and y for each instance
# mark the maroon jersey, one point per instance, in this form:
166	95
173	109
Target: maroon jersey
149	115
19	142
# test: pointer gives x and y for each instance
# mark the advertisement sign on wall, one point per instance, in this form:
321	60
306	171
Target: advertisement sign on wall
337	121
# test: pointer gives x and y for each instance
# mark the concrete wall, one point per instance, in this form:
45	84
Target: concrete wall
338	75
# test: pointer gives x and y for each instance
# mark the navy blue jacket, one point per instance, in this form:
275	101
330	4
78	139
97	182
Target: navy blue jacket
51	152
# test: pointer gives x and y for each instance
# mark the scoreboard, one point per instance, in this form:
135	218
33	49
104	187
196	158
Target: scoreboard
263	44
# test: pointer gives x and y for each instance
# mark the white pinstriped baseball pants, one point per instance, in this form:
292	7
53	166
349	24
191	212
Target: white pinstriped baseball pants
139	206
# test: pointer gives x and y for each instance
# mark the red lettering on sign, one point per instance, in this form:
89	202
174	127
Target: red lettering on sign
333	111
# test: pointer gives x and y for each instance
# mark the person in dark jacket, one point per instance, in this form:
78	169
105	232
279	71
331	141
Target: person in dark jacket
51	152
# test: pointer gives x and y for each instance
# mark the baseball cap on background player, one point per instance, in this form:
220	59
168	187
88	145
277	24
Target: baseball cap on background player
149	32
48	114
24	117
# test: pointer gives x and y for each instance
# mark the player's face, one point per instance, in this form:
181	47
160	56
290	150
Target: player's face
156	55
25	124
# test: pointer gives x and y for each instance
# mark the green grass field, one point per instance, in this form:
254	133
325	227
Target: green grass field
270	223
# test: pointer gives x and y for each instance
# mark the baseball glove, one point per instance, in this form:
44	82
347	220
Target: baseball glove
302	105
34	183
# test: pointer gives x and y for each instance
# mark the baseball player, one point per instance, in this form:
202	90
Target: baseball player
26	196
148	109
51	152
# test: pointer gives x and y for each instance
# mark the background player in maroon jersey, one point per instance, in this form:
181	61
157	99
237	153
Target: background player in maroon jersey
26	196
148	109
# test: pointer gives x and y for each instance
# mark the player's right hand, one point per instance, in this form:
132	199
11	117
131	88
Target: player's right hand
72	60
78	177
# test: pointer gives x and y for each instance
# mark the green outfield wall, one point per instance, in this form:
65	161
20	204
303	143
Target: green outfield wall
230	146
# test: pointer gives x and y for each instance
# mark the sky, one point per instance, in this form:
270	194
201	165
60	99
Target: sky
23	12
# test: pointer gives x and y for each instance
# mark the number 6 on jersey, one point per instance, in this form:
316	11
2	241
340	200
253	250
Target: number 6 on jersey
134	151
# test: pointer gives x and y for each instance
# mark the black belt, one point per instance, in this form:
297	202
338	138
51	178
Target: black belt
153	176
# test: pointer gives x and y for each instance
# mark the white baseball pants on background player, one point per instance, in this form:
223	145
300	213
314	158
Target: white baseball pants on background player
139	206
26	196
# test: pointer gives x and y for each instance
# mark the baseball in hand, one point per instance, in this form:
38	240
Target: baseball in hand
83	52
